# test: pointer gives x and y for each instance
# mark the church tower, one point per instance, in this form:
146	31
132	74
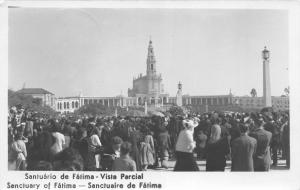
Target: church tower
151	62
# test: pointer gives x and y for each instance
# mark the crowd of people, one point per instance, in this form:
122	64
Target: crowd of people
252	141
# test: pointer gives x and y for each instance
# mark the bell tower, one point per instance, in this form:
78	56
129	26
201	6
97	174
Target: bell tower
151	62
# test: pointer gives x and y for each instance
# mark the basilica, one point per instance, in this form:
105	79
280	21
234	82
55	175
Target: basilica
149	88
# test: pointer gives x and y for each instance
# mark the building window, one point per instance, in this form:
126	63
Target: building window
76	104
73	105
68	105
65	105
209	101
110	102
215	101
152	67
164	100
58	106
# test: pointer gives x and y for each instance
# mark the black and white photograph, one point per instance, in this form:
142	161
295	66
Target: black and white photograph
149	90
139	90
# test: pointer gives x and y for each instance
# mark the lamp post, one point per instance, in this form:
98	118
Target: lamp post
266	78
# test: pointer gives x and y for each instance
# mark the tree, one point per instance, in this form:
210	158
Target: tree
287	91
29	103
253	92
95	109
176	110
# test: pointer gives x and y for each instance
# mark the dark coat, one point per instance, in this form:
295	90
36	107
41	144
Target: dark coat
242	151
234	133
163	144
274	129
216	155
135	139
106	136
262	158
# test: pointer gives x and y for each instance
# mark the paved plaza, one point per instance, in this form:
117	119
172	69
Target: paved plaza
201	164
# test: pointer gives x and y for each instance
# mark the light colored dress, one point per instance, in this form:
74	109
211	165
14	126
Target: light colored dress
20	147
147	151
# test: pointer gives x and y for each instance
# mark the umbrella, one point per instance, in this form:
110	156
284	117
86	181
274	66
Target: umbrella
135	113
156	113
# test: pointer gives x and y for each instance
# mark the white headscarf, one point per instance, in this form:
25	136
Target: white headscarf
215	134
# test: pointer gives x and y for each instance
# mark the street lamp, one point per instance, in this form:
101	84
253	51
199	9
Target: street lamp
265	54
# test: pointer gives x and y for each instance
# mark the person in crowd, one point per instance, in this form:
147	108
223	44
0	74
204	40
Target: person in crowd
201	139
67	134
68	160
19	147
163	147
262	158
185	145
28	131
135	139
80	142
106	133
286	142
94	144
147	150
110	153
234	131
242	151
124	162
41	151
217	148
59	139
272	127
42	166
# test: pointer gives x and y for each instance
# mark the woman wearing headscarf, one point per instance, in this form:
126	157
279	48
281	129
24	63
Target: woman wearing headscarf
147	150
184	148
216	150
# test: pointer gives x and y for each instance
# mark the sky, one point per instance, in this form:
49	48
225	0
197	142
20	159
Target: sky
99	51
